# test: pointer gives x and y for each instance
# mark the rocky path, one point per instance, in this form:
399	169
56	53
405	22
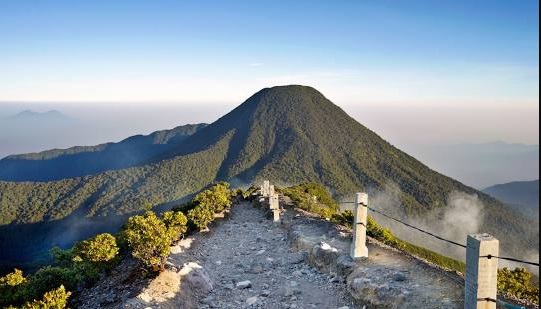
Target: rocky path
251	265
388	278
247	261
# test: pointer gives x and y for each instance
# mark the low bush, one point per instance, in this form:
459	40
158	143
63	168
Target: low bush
200	217
16	290
12	279
55	299
99	250
148	239
313	198
51	276
518	283
9	287
176	224
216	199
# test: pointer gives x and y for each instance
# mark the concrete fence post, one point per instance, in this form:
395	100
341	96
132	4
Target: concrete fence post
265	189
271	190
275	206
481	287
358	247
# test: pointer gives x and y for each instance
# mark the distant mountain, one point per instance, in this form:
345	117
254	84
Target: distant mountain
481	165
29	130
82	161
29	115
523	194
288	134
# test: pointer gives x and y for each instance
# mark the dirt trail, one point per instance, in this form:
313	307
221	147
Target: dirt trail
247	261
249	247
387	278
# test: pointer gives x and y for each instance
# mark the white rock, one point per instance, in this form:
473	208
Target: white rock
252	300
244	285
325	246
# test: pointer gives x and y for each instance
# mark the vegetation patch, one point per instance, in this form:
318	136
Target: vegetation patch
314	198
147	238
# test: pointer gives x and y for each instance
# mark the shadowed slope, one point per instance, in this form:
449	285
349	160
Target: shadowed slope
59	164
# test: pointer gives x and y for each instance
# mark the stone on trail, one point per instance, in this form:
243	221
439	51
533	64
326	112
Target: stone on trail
244	285
252	300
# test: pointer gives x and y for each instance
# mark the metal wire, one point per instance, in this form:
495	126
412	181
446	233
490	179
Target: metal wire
439	237
511	259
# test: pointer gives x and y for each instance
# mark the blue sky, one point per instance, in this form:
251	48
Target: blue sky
356	52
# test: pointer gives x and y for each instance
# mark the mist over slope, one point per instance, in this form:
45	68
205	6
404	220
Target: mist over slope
289	134
87	160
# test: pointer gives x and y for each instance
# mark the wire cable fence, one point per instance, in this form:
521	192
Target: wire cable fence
502	303
439	237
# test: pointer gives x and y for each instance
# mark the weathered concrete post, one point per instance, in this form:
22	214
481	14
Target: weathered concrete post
265	188
275	206
271	190
273	201
481	272
358	247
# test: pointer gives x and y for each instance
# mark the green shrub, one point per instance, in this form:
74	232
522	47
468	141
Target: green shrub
62	258
517	283
382	234
201	217
100	249
346	218
313	198
216	198
51	276
10	287
55	299
175	222
13	279
148	239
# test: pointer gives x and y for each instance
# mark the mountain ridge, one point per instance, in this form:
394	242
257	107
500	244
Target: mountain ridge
523	195
78	161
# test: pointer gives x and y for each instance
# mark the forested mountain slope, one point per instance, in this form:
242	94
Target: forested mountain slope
288	134
523	195
59	164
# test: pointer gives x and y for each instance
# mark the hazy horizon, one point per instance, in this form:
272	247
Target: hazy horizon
418	73
423	124
435	136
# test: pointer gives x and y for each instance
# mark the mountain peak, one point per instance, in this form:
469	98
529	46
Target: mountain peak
289	96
